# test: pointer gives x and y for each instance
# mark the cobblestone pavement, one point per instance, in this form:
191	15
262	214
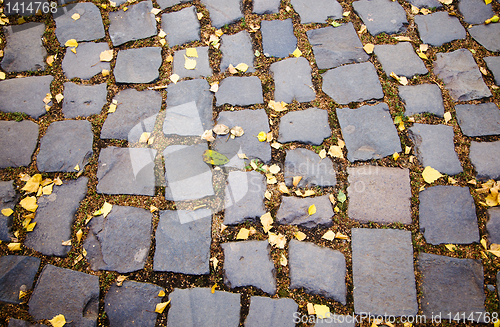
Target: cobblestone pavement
256	163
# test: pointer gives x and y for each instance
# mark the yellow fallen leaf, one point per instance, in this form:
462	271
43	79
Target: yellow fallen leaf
423	47
492	200
495	253
277	106
276	145
422	55
71	43
49	60
169	58
407	324
322	311
277	240
58	181
311	210
271	179
22	294
495	247
31	226
7	212
219	32
407	149
283	260
215	261
75	16
73	50
401	79
29	203
282	188
274	169
425	11
77	167
58	321
189	63
298	192
120	279
192	52
447	117
105	210
106	55
232	70
414	10
332	198
296	180
79	235
262	136
336	151
341	236
268	195
32	184
430	174
267	222
451	247
346	13
161	293
487	2
484	244
329	235
242	67
161	306
47	190
322	154
39	193
369	48
402	38
125	8
243	234
214	87
66	243
308	193
452	180
162	42
2	75
395	156
14	246
199	15
162	35
300	235
310	309
297	53
212	290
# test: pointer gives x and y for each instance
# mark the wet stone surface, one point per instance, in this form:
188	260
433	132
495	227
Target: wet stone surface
294	211
292	80
478	119
439	28
24	49
401	59
8	199
181	26
422	98
266	312
475	11
313	170
244	197
317	11
134	24
85	63
83	100
485	156
17	273
88	27
278	39
309	126
381	16
223	12
25	95
487	35
230	91
18	141
202	64
493	64
237	49
493	225
138	65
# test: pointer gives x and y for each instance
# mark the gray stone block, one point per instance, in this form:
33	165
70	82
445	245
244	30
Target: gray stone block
236	49
223	12
313	170
18	141
202	68
262	7
24	50
278	39
138	65
181	26
134	24
317	11
85	63
244	197
22	323
87	28
266	312
17	273
8	199
292	80
183	120
478	119
381	16
294	211
169	3
485	156
493	64
426	3
475	11
439	28
309	126
81	100
401	59
25	94
487	36
240	91
493	225
422	98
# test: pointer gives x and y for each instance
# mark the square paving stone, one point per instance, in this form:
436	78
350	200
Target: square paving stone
25	94
108	249
262	7
134	24
183	120
73	294
335	46
249	263
439	28
55	216
401	59
487	35
313	170
138	65
24	49
493	64
422	98
136	113
17	273
319	270
169	3
236	49
461	76
64	153
85	63
369	132
352	83
132	304
379	194
278	39
381	16
485	157
230	91
87	28
202	64
183	242
126	171
181	26
292	80
223	12
478	119
244	197
294	211
8	199
81	100
317	11
451	286
187	176
266	312
493	225
434	147
382	271
18	141
448	215
309	126
475	11
201	307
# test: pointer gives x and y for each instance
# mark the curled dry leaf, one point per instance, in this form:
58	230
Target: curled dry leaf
310	309
402	38
79	235
341	236
282	188
296	180
58	181
208	136
50	60
283	260
277	106
105	210
271	179
222	227
155	11
268	195
237	131
267	221
199	15
66	243
332	198
32	184
144	137
278	241
423	47
220	129
414	10
120	280
214	87
215	262
308	193
276	145
232	70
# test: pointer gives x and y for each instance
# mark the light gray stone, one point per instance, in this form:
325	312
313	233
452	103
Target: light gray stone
400	58
22	323
294	211
18	141
426	3
181	26
292	80
381	16
183	120
88	27
17	273
262	7
309	126
439	28
138	65
85	63
81	100
475	11
240	91
25	94
485	156
169	3
478	119
244	197
202	68
487	36
493	64
278	39
8	199
313	170
493	225
223	12
134	24
317	11
266	312
236	49
24	50
422	98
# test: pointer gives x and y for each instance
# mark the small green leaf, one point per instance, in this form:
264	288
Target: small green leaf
214	158
341	197
397	120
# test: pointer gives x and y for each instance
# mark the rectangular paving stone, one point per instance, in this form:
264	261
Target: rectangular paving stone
439	28
478	119
487	36
294	211
266	312
24	50
223	12
401	59
485	156
25	94
493	64
493	225
85	63
236	49
81	100
262	7
475	11
244	197
230	91
17	273
139	65
181	26
381	16
8	199
278	39
183	120
383	275
292	80
422	98
313	170
309	126
134	24
202	68
88	27
317	11
18	141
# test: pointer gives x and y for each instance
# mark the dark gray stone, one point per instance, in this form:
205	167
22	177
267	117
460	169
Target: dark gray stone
352	83
108	249
451	285
461	76
244	197
85	63
278	39
81	100
266	312
126	171
8	199
138	65
262	7
183	120
317	11
478	119
17	273
72	293
381	16
475	11
87	28
314	170
401	59
493	64
236	49
336	320
183	242
64	153
22	323
181	26
10	7
485	156
202	64
17	143
169	3
434	147
132	304
333	47
25	94
200	307
136	113
187	176
294	211
292	80
448	215
426	3
379	194
487	35
493	225
383	275
223	12
134	24
309	126
319	270
422	98
24	49
439	28
240	91
248	263
369	132
55	216
253	122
